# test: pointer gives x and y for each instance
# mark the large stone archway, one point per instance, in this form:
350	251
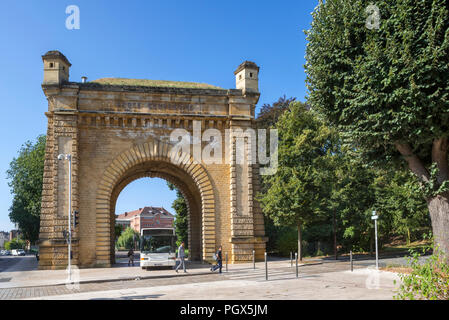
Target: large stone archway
153	159
117	131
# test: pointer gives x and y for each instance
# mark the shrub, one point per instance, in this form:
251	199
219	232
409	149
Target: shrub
287	242
427	281
15	244
125	239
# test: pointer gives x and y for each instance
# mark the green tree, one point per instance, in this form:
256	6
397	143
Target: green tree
181	222
387	89
403	211
351	199
269	113
428	280
26	175
296	191
127	238
15	244
118	229
267	118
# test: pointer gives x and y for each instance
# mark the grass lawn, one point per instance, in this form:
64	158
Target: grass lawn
153	83
403	247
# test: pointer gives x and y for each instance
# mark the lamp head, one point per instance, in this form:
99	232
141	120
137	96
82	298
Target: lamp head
61	156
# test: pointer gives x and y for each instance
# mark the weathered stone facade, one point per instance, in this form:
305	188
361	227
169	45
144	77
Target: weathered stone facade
117	134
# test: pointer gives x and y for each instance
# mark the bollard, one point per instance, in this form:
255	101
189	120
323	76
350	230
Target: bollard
266	267
291	259
254	260
226	255
296	258
351	261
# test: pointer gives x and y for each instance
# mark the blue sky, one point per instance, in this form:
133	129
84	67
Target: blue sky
199	41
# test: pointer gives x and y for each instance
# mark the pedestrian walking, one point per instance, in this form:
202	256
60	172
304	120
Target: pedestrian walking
131	257
182	257
219	259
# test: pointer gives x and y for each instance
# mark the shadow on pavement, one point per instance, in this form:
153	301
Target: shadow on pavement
18	263
148	296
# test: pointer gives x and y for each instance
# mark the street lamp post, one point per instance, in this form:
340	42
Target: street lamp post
375	217
69	158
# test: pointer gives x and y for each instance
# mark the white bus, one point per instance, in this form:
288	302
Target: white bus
157	247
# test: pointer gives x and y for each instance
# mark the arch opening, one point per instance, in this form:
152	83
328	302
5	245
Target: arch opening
186	187
153	160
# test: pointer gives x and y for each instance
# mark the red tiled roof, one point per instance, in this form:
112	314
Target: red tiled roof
145	211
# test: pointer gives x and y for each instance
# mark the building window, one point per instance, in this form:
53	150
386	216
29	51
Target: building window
240	77
250	74
51	64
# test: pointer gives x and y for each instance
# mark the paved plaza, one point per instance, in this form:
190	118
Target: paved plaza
317	280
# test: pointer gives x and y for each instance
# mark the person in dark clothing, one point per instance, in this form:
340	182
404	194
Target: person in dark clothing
219	261
131	257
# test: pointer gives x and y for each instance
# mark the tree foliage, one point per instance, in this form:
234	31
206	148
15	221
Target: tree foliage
294	191
118	229
269	113
15	244
127	238
297	191
26	176
267	118
428	280
387	89
181	221
321	182
401	208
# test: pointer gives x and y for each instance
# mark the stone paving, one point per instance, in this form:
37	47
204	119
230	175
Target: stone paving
329	280
340	285
59	290
23	274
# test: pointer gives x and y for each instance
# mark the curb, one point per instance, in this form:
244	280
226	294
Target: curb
113	280
131	278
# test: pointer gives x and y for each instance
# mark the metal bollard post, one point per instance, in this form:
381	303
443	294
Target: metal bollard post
296	258
254	259
226	255
266	267
291	259
350	259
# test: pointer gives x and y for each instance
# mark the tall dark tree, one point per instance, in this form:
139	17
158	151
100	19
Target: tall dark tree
267	118
387	88
181	223
306	150
270	113
26	175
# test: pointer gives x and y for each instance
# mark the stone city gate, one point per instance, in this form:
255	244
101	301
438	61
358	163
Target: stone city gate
117	131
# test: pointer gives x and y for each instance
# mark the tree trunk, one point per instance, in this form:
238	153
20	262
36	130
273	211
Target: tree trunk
438	206
299	243
334	227
439	215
